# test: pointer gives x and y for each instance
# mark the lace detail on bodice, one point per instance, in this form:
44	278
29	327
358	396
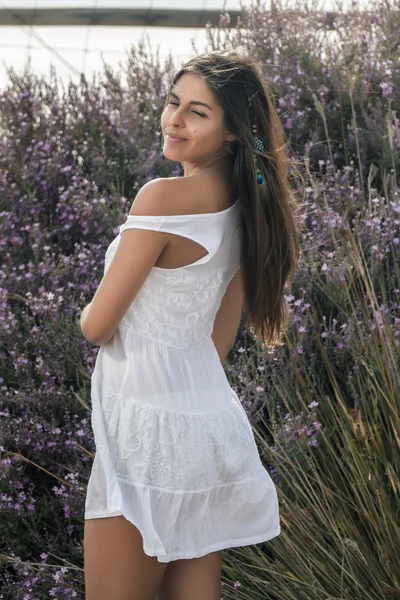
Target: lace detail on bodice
177	306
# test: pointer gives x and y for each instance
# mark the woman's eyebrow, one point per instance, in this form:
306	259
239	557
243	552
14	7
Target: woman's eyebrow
192	101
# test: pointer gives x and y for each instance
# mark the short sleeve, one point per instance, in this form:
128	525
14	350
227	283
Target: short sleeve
151	222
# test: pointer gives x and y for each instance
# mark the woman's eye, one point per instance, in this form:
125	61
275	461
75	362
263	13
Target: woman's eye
195	111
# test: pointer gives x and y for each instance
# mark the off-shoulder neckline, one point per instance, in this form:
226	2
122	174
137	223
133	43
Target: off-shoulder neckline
220	212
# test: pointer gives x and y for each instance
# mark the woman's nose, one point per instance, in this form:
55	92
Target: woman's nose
176	117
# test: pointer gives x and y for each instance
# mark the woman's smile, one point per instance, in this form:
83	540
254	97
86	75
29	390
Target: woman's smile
174	139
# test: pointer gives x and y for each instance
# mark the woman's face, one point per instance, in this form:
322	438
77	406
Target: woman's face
201	127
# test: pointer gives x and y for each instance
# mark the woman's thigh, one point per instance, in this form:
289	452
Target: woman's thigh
115	564
194	578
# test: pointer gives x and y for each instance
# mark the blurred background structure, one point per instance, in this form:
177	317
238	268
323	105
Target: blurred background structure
76	35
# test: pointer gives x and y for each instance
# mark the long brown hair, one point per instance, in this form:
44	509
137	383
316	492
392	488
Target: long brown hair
269	234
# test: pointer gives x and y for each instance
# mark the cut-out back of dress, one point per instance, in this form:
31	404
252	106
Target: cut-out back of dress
194	227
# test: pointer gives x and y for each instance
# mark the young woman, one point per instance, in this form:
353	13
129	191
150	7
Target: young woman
176	476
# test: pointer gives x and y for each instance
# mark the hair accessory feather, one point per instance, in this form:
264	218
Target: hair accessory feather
259	146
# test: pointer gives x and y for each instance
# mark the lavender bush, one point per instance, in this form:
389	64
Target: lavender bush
324	405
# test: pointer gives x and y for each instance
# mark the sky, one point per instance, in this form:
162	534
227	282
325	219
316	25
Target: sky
18	43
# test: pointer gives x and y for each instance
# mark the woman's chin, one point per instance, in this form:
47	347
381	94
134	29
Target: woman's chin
171	154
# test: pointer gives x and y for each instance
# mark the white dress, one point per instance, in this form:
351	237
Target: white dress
175	452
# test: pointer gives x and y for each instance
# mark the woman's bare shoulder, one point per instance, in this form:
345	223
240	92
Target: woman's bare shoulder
180	196
199	194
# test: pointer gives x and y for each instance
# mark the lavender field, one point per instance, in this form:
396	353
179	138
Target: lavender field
325	405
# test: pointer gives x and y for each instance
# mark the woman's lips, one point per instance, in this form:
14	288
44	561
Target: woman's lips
172	139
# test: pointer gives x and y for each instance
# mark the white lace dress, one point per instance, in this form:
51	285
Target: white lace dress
175	452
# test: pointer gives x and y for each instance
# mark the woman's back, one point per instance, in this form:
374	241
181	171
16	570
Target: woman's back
179	303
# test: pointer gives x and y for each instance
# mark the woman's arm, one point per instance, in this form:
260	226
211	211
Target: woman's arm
84	313
82	319
228	317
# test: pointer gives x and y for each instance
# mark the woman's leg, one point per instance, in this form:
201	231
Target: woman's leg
116	567
193	579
